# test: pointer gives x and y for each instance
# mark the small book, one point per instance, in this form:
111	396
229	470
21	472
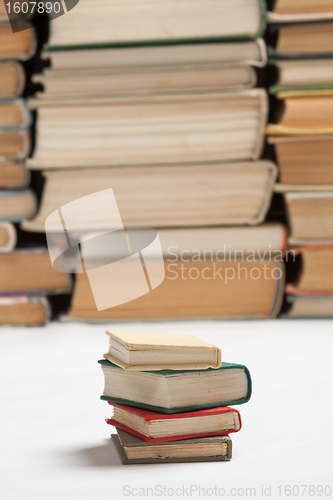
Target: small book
178	391
133	450
155	427
144	351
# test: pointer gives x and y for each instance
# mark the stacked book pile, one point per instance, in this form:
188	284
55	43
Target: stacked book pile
16	201
157	386
161	107
25	275
303	138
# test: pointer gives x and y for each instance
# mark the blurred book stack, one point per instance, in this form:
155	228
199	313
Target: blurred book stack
303	138
161	107
25	274
16	202
156	384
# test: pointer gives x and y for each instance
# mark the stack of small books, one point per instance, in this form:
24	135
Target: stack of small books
169	395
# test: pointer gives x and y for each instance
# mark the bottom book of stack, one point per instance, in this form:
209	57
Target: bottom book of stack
133	450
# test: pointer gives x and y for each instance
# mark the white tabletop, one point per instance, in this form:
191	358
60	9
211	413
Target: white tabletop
55	443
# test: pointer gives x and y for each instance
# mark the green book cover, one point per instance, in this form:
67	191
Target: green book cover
224	366
260	32
275	56
276	89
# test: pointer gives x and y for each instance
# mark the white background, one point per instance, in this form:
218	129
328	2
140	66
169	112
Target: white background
55	443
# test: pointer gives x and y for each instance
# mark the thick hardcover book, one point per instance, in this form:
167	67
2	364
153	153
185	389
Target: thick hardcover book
27	310
133	450
14	114
224	420
13	174
14	144
298	11
232	194
305	162
229	388
316	277
302	76
310	217
20	45
310	306
17	205
303	41
153	57
157	129
310	113
8	237
12	79
162	21
245	296
30	271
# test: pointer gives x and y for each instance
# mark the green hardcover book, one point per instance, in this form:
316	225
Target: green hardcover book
133	450
315	90
171	391
111	23
304	76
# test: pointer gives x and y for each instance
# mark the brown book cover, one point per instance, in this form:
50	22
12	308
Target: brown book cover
20	45
28	310
124	441
204	297
12	79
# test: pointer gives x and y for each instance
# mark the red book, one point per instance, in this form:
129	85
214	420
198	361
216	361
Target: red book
155	427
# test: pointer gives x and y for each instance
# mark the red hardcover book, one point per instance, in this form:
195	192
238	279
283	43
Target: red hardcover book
155	427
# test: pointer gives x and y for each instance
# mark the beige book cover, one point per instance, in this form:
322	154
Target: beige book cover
180	352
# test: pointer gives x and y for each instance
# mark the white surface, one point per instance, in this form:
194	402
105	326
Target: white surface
54	442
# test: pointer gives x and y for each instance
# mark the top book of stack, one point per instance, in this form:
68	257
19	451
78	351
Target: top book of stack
160	351
111	22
